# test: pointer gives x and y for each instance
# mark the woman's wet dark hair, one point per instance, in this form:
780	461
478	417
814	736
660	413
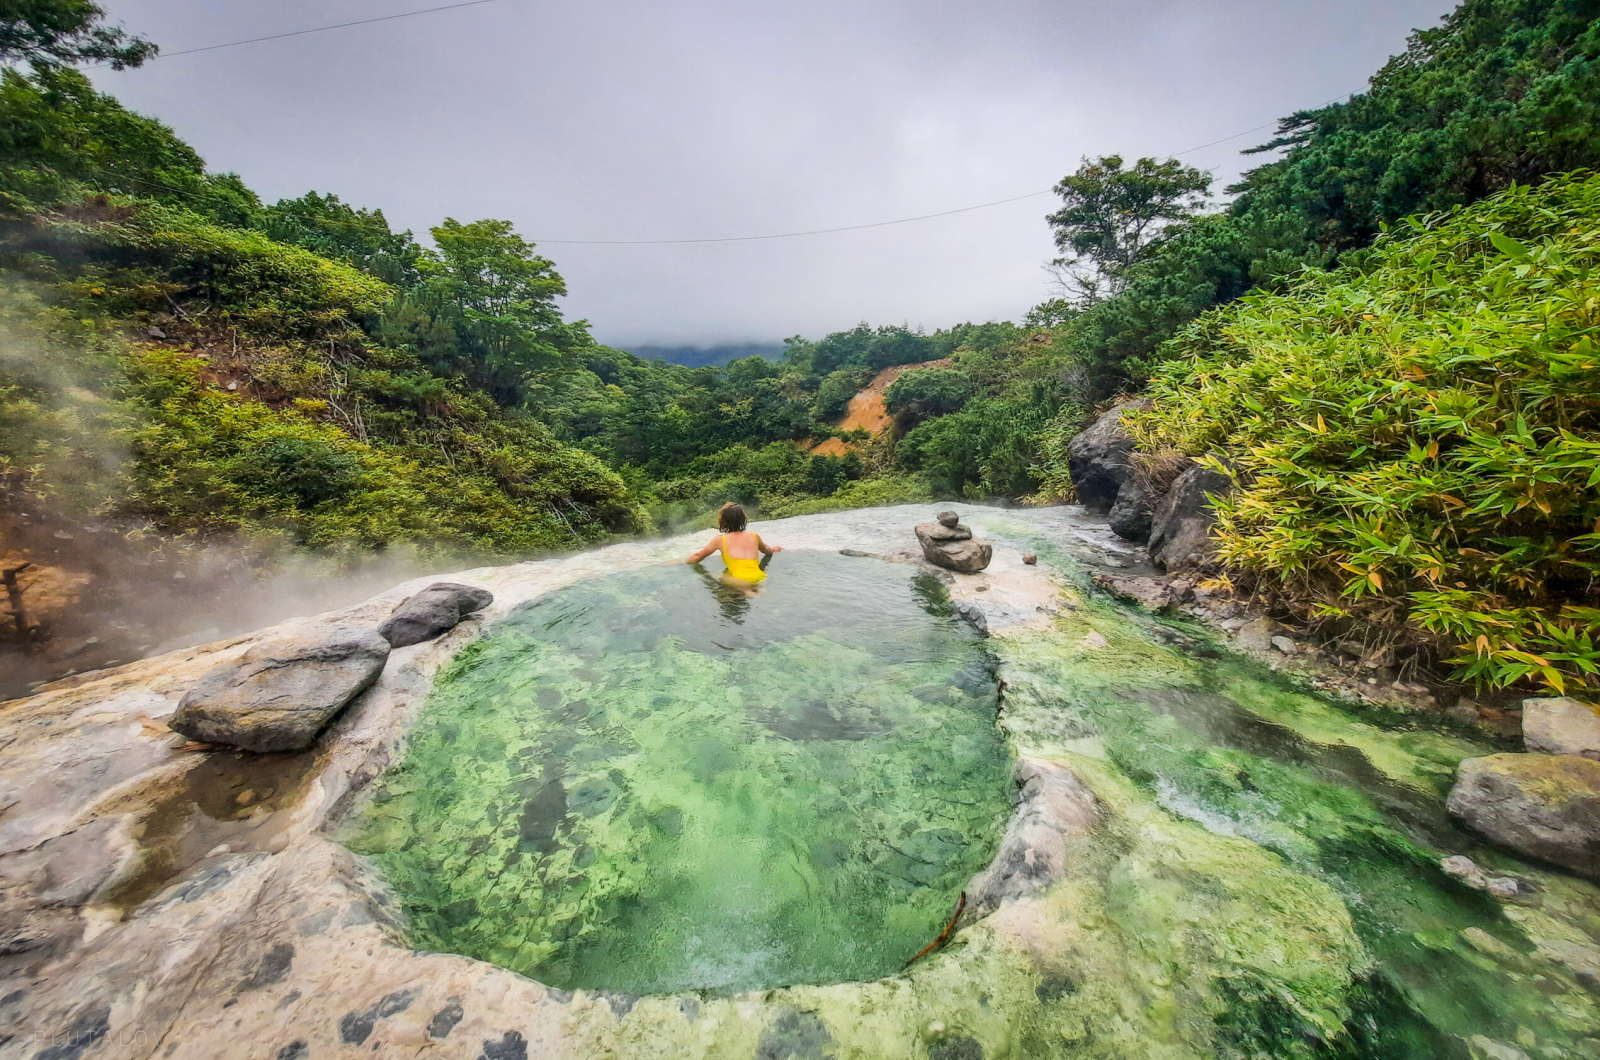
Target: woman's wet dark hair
730	518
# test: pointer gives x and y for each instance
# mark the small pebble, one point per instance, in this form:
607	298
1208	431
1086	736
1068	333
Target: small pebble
1094	640
219	850
1029	558
245	797
278	842
936	1027
980	588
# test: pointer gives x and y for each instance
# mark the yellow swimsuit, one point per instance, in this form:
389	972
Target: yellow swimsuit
748	570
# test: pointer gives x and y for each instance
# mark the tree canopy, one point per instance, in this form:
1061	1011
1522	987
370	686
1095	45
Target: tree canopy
67	32
1109	214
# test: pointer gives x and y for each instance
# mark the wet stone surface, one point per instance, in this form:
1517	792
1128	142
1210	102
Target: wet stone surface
228	803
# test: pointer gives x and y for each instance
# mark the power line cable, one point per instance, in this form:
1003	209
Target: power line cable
791	235
667	242
318	29
873	224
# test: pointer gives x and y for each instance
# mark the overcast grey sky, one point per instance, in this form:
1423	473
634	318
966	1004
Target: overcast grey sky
636	120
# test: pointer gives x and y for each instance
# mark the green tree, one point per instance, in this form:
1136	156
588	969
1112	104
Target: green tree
487	303
867	347
923	392
60	138
335	229
1109	214
66	32
1502	91
835	391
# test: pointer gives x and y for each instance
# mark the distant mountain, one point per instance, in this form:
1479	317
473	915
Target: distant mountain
701	356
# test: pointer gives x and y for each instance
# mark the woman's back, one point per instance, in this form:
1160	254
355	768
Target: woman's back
742	544
741	550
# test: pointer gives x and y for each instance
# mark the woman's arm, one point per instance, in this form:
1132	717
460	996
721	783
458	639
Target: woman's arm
765	548
704	552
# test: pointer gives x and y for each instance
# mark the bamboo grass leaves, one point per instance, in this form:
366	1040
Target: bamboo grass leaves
1419	433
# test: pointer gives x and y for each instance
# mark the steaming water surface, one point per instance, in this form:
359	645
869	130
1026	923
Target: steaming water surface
656	781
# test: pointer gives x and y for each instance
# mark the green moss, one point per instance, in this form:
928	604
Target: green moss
647	784
1352	806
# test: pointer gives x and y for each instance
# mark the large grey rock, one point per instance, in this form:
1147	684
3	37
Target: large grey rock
439	607
1180	529
280	693
1131	514
973	615
1561	726
1097	459
1542	806
1257	634
1056	807
941	546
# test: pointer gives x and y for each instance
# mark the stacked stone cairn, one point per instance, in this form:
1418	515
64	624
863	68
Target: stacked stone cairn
946	543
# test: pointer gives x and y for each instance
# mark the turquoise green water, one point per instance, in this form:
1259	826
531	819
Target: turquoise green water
652	781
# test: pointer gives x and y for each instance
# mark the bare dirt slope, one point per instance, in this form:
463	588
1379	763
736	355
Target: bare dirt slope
867	411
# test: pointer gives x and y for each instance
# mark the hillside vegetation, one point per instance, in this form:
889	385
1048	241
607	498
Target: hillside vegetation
178	357
1417	436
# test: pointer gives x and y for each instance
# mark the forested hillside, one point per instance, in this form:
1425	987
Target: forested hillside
180	358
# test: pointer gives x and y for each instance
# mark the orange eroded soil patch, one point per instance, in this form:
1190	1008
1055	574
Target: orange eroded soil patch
866	411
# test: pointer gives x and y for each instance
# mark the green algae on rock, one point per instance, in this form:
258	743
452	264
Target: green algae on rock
656	781
1348	939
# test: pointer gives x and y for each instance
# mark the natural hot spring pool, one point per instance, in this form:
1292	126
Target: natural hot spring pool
649	781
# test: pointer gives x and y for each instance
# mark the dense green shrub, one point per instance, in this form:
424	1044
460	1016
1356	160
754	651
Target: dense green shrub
1418	437
58	430
918	393
863	347
137	256
1502	90
208	460
59	138
987	449
836	389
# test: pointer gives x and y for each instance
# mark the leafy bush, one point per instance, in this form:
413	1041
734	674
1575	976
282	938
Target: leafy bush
835	391
1503	90
863	347
57	430
138	256
861	493
59	138
919	393
1052	468
758	478
988	449
207	460
1418	436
